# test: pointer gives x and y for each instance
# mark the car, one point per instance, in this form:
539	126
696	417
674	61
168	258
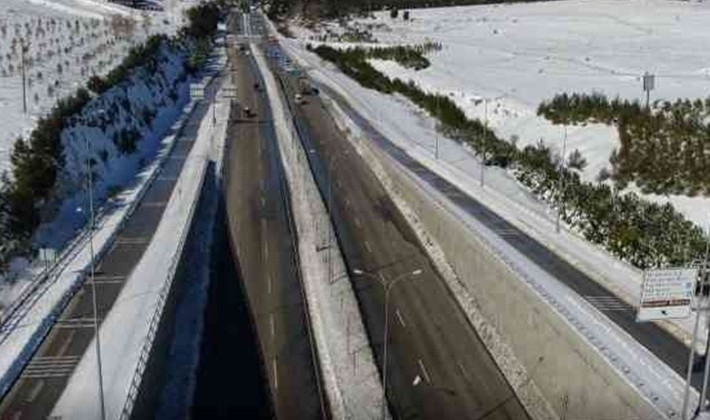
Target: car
298	98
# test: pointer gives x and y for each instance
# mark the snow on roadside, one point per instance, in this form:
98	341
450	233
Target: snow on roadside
350	376
655	381
69	41
130	321
518	55
414	131
142	91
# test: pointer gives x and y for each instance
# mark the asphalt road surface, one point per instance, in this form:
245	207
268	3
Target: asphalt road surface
43	379
438	368
261	234
661	343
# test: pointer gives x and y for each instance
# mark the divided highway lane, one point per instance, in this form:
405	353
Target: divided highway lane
661	343
42	381
262	237
438	368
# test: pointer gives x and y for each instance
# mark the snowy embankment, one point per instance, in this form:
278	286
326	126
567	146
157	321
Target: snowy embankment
350	376
128	331
143	107
28	320
507	59
67	42
414	131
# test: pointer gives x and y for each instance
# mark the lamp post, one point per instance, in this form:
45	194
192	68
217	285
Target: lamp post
92	272
387	287
561	186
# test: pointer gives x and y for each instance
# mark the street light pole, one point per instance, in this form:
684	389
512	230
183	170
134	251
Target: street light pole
92	273
24	48
436	132
561	182
387	288
485	134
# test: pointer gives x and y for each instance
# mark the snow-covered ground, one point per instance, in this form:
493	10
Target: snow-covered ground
404	124
514	56
69	41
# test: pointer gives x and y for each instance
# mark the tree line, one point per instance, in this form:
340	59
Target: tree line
408	56
640	232
314	9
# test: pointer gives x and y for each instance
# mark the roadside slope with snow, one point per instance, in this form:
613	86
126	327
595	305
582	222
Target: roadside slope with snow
68	41
515	56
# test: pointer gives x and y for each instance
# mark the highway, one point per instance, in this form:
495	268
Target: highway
264	242
41	383
661	343
438	368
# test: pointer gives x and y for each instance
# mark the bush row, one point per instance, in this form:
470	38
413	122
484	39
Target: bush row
409	56
643	233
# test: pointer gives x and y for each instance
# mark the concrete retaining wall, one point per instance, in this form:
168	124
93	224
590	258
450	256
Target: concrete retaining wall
571	375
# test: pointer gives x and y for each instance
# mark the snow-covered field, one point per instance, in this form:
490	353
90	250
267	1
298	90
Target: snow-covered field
408	127
515	56
68	41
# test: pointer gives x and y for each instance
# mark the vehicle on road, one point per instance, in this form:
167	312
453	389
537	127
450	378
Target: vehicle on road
305	87
298	99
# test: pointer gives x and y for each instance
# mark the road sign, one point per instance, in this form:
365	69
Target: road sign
666	293
229	93
197	91
649	82
47	255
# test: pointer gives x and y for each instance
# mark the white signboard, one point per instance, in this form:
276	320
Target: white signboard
47	254
666	293
197	91
229	93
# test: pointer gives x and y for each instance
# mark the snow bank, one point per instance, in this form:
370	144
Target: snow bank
350	376
127	332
